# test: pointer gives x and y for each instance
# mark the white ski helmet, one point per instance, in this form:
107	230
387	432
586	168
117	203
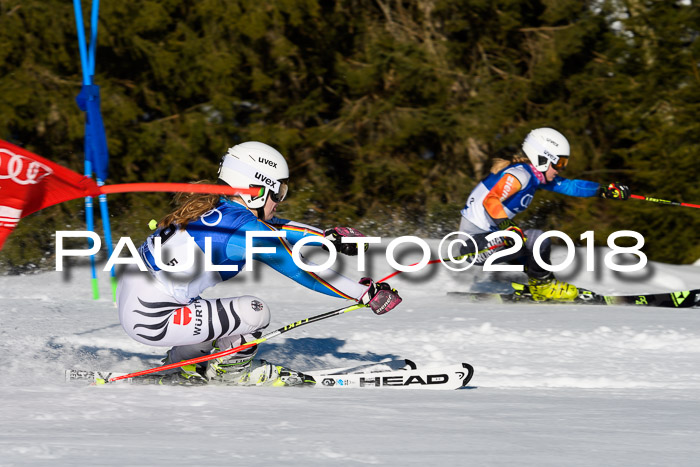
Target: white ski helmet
546	146
253	164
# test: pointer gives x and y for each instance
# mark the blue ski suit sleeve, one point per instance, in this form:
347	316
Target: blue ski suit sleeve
579	188
281	261
295	230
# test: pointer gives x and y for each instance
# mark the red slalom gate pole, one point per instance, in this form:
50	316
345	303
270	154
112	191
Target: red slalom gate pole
234	350
176	187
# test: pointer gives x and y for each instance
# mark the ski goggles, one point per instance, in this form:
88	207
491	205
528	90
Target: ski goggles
277	196
281	194
561	163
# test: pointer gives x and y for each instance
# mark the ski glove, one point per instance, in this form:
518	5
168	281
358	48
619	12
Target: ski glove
336	234
508	224
615	191
380	297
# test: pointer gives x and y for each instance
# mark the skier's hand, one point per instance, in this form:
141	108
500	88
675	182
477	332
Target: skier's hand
511	226
615	191
380	297
336	234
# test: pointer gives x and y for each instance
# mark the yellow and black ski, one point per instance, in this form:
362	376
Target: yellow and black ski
521	294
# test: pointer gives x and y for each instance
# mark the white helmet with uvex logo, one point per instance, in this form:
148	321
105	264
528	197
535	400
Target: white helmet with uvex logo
254	164
545	147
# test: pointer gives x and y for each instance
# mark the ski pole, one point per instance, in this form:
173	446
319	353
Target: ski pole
444	260
664	201
234	350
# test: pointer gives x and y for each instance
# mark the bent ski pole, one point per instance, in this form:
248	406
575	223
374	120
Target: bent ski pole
664	201
234	350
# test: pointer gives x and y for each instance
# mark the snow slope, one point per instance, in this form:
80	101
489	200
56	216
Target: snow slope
553	385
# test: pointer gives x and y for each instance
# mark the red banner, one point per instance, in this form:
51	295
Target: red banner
29	183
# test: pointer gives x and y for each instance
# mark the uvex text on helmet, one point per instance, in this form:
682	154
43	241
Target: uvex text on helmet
255	164
546	146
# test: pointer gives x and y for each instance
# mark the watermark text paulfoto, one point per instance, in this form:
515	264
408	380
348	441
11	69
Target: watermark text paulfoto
467	249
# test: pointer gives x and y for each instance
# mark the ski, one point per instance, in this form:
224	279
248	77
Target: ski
103	377
391	365
260	373
443	377
521	294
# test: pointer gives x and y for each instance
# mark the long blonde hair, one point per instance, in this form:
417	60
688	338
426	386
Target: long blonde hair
500	163
190	206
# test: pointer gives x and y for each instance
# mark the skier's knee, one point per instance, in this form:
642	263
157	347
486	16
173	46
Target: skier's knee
532	235
253	311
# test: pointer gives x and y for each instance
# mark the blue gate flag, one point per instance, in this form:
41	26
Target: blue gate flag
95	139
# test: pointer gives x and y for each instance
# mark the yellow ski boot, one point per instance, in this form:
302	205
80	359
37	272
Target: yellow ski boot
552	289
260	373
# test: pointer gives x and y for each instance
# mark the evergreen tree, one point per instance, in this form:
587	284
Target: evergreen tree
388	111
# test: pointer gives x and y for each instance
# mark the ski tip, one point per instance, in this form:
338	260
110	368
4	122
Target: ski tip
469	375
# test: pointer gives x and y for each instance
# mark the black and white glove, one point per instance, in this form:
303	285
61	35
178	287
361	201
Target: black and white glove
380	297
511	226
614	191
336	234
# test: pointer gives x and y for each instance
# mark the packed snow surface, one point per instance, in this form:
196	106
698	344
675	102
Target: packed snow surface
554	384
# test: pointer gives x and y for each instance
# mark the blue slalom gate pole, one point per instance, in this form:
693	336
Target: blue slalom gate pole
90	225
104	213
89	214
96	155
